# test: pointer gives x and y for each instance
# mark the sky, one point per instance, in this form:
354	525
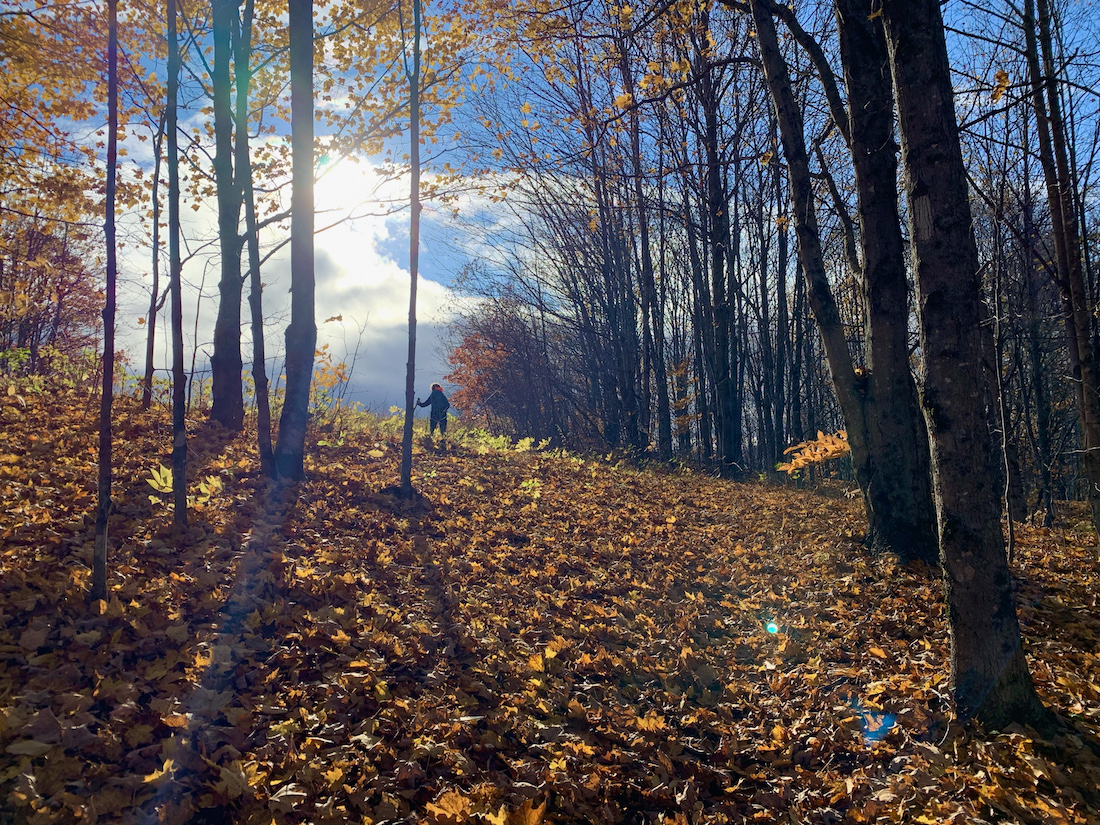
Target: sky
362	280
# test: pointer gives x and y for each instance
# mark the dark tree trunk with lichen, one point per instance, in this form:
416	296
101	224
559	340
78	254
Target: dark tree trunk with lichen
989	672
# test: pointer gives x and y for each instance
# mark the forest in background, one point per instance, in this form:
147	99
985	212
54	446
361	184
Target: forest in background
623	207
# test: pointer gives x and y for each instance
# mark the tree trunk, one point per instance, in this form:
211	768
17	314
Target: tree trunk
103	507
242	51
989	674
718	236
301	335
227	407
879	404
1067	244
652	320
175	287
154	289
414	253
899	487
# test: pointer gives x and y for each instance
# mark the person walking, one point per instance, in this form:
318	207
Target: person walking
439	404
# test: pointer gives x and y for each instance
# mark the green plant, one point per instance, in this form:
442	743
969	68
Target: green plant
338	441
160	479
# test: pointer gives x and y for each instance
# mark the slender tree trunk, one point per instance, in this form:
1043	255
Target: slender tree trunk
702	334
653	323
989	672
414	252
719	235
1051	130
106	466
175	287
154	290
227	406
301	335
782	326
255	294
1043	448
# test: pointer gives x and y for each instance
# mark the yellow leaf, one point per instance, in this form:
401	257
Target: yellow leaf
875	14
165	769
450	806
175	720
525	108
528	814
334	775
650	722
878	651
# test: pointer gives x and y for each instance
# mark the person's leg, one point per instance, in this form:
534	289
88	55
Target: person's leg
443	426
431	427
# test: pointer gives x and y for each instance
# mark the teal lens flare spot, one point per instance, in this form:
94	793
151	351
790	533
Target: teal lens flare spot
773	627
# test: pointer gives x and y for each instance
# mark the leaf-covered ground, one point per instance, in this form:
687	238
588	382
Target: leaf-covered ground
542	638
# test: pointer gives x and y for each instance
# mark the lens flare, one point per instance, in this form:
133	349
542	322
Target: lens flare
773	627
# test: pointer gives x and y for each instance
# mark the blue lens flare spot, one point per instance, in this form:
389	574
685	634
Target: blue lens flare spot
876	725
772	627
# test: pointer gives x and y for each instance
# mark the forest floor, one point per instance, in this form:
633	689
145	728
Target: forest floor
541	638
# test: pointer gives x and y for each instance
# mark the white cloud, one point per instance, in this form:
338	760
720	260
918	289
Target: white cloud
361	276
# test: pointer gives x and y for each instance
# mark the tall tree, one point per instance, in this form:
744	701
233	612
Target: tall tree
103	508
878	398
156	301
413	74
227	403
243	160
989	674
1084	349
301	335
175	277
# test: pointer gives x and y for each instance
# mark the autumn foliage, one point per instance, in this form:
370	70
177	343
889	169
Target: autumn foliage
543	638
815	451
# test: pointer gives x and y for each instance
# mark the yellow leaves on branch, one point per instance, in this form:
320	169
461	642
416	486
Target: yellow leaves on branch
1001	86
817	451
624	101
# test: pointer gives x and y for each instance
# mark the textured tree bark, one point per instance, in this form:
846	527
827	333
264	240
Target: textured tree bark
879	405
989	672
899	479
301	335
227	406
